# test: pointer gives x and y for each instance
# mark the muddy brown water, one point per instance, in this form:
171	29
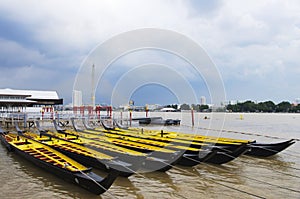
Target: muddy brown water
245	177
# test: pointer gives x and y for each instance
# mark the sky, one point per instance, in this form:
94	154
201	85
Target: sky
254	44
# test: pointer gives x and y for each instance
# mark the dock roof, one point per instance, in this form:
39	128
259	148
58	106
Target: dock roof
30	94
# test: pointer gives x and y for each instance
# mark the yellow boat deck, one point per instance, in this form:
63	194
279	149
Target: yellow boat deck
44	153
69	146
95	143
163	142
189	137
126	141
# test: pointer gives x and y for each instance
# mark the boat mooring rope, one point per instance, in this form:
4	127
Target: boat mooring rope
133	171
176	168
269	168
240	132
278	186
239	190
106	190
284	166
295	152
260	181
293	155
265	167
236	189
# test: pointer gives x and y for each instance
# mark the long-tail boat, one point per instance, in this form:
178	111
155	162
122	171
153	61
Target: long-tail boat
57	163
255	148
191	156
84	154
147	161
166	157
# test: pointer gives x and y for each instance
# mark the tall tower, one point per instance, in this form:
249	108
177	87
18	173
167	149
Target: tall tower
77	98
202	100
93	86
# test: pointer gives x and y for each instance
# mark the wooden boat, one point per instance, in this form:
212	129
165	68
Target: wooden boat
255	149
146	161
156	120
57	163
127	162
191	156
84	154
266	150
161	159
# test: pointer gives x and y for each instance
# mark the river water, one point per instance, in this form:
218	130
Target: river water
245	177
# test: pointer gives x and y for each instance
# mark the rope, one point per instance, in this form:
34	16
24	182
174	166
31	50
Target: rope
267	149
239	190
106	190
269	168
244	133
133	171
284	166
275	185
176	168
283	173
295	152
262	182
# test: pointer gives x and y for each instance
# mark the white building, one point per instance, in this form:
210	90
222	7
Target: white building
202	100
11	99
77	98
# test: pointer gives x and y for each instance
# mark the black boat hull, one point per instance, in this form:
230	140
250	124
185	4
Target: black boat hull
106	165
193	159
134	161
85	179
266	150
222	157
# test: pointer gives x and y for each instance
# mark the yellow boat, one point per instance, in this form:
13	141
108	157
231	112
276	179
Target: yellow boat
190	154
84	154
183	136
255	148
161	161
57	163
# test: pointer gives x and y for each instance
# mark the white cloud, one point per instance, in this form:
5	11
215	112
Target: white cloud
246	39
13	54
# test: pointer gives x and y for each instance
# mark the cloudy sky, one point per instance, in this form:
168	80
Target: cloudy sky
254	44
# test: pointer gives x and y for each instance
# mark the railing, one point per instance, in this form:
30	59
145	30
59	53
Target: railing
27	119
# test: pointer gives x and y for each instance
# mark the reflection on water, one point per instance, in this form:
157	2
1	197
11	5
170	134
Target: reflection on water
245	177
25	179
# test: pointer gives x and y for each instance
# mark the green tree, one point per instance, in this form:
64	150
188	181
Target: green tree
267	106
297	108
234	108
175	106
203	108
185	107
195	107
283	107
248	106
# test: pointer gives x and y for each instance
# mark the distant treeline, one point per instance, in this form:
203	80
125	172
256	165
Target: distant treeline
268	106
196	107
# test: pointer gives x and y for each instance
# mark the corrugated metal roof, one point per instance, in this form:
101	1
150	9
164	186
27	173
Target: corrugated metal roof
34	93
16	101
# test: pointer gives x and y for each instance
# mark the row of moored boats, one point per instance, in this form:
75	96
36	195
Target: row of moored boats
71	153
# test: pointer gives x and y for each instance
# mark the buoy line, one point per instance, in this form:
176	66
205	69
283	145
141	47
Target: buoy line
240	132
106	190
295	152
260	181
213	181
283	166
265	167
